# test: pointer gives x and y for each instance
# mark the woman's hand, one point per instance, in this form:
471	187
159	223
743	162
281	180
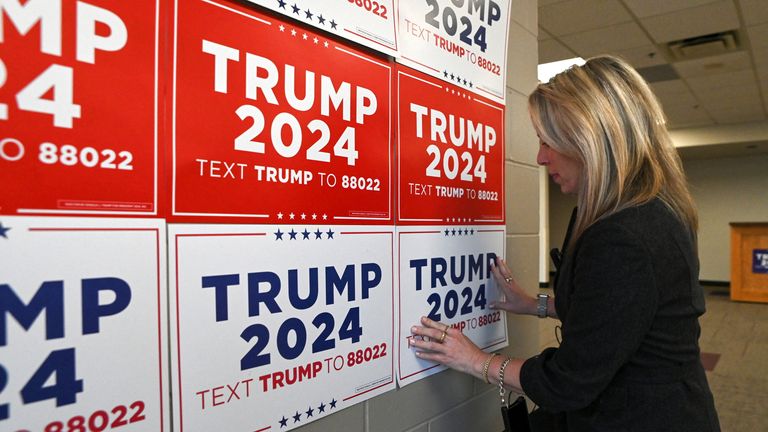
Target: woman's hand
515	299
443	344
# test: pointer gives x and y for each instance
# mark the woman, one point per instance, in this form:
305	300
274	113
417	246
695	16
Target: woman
627	289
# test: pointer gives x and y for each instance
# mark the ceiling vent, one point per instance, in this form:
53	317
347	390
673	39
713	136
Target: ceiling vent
704	46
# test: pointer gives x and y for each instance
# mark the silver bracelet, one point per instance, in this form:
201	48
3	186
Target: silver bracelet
501	380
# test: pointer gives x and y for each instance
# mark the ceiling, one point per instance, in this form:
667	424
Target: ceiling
702	82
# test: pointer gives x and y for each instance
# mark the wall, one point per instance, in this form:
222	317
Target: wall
451	401
726	190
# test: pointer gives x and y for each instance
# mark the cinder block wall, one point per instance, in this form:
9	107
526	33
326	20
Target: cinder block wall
451	401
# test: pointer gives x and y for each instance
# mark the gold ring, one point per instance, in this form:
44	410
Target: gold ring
508	279
442	336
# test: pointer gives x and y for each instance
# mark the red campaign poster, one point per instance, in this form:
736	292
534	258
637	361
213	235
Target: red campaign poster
275	123
450	153
78	107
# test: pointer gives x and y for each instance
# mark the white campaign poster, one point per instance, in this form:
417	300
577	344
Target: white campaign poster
367	22
444	273
462	42
83	325
275	326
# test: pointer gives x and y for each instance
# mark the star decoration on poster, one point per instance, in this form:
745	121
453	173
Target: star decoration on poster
458	93
452	232
306	234
308	14
458	220
457	79
304	36
298	416
302	216
4	231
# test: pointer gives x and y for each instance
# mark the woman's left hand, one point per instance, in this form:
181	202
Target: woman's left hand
446	345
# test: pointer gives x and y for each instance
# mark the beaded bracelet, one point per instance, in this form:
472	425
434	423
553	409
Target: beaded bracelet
501	380
487	365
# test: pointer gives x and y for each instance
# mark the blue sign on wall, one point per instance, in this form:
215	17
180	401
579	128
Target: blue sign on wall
760	261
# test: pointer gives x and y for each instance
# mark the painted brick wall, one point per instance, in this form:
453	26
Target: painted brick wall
451	401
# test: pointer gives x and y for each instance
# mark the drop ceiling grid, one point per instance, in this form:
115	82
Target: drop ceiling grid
713	90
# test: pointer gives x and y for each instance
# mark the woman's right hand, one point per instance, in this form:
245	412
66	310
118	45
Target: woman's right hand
516	300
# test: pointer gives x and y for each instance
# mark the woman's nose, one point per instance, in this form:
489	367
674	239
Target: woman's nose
542	158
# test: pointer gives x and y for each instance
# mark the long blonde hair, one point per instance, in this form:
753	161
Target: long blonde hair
604	115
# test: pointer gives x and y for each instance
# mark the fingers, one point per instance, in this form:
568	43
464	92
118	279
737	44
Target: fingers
503	268
431	333
434	324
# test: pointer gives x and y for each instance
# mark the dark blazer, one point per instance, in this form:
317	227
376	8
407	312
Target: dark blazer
629	300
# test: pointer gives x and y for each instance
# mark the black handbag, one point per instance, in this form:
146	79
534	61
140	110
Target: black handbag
515	415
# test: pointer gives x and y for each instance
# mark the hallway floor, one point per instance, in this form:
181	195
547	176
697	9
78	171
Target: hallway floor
734	345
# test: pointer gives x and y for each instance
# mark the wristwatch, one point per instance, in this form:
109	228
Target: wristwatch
541	309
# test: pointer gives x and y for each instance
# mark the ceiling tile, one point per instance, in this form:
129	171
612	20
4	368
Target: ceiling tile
726	97
758	36
552	50
738	115
698	21
761	59
576	16
646	8
607	40
670	88
679	117
684	99
731	62
743	102
754	11
640	57
707	83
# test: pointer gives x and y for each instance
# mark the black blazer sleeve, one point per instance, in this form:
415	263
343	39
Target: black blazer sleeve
611	304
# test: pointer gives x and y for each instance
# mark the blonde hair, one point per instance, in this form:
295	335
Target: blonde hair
604	115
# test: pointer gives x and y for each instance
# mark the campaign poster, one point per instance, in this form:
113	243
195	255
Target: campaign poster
276	123
83	325
462	42
759	260
445	274
79	107
450	153
276	326
367	22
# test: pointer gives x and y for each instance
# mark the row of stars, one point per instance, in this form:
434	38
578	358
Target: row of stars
458	219
309	413
292	234
304	36
303	216
457	78
466	231
307	14
459	93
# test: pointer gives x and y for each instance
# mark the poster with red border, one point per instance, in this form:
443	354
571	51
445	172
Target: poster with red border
462	42
450	154
79	107
444	273
367	22
83	333
275	326
276	123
